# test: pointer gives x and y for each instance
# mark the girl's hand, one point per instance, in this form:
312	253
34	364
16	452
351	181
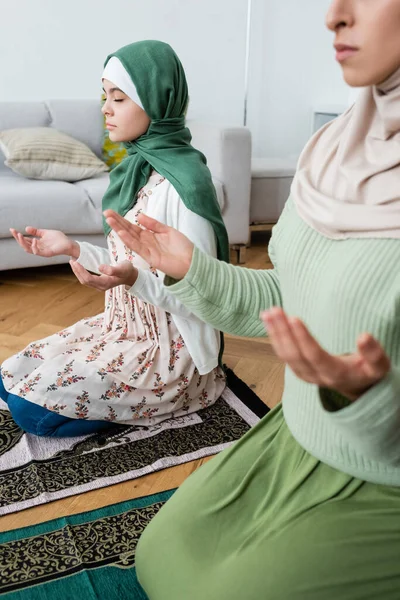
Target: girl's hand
351	375
122	274
160	246
46	242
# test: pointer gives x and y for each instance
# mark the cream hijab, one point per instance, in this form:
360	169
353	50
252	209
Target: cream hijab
347	183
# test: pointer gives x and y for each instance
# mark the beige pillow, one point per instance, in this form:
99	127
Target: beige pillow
45	153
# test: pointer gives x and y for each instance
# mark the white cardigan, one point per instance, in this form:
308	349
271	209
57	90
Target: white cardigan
165	205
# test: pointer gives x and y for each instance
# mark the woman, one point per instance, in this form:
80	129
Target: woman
306	505
146	358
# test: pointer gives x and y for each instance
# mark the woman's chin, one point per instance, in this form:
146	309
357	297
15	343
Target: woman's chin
357	78
354	80
118	138
114	136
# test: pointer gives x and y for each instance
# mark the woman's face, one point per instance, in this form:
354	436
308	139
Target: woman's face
367	39
125	120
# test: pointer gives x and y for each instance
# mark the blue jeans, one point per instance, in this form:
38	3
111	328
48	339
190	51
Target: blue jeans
35	419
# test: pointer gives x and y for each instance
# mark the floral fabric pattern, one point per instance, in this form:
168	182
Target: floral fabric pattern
128	364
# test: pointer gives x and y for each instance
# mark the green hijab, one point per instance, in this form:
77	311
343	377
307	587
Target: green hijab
160	81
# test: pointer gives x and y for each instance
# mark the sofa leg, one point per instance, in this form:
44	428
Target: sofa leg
240	252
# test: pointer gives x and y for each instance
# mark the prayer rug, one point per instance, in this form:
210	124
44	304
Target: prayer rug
88	556
35	470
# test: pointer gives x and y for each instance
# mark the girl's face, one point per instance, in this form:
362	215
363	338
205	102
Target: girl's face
367	39
125	120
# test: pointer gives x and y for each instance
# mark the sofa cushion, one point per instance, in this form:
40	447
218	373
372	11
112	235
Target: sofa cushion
45	153
94	188
22	114
46	204
74	208
81	119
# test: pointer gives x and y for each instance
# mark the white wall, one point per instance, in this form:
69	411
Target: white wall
56	49
292	70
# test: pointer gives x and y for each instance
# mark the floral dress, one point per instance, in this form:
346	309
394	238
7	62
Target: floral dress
127	364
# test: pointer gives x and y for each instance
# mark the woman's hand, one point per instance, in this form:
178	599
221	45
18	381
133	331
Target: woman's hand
123	274
46	242
351	375
160	246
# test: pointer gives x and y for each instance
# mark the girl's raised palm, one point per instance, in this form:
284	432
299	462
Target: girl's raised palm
44	242
160	246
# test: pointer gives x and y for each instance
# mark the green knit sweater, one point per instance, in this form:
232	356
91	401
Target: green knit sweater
340	289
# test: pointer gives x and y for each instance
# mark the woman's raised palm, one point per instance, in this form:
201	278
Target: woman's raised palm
43	242
160	246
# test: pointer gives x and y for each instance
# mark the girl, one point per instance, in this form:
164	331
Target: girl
146	358
306	506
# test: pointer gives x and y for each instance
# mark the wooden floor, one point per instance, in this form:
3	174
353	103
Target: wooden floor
38	302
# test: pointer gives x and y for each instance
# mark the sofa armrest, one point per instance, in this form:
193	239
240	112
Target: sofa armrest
228	153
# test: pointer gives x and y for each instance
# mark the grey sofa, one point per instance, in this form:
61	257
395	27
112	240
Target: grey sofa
75	208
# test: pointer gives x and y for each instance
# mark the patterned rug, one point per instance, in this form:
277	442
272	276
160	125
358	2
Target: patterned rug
36	470
88	556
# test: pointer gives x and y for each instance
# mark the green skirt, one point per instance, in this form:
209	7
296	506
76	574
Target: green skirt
266	520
